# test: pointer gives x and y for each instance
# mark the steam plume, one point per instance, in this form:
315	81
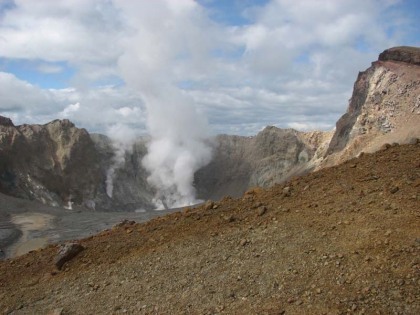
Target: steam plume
161	37
122	142
177	148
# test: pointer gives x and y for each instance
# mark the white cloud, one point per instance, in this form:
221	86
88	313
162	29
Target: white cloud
71	109
94	109
294	64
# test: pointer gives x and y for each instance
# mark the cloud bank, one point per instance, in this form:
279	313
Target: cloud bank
279	62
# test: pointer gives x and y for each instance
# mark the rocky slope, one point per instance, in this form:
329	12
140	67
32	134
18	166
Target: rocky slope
342	240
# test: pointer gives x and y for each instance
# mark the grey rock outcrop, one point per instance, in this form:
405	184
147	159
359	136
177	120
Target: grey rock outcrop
129	181
55	163
239	163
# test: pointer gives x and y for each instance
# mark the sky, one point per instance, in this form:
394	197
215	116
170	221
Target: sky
242	64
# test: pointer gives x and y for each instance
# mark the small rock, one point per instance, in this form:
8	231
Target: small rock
209	205
257	205
394	189
66	253
262	210
286	191
229	218
243	242
385	146
400	282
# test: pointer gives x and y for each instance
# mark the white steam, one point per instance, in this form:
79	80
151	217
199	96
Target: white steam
122	142
177	148
162	37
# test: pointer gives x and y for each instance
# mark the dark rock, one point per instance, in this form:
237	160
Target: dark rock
66	253
4	121
401	54
394	189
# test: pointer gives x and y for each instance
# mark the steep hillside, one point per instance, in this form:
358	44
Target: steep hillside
341	240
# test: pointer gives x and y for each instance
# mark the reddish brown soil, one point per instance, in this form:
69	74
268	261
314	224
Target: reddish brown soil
342	240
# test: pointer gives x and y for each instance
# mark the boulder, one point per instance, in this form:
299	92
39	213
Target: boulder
66	253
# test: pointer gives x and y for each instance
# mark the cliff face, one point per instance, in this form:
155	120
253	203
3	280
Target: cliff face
61	165
125	182
55	163
239	163
384	107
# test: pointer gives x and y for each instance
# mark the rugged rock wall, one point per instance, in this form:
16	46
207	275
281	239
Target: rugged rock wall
385	106
243	162
55	163
61	165
130	190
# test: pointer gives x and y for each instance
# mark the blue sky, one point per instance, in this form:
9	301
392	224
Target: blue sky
242	64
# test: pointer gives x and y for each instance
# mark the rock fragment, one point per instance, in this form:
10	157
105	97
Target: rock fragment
262	210
394	189
286	191
66	253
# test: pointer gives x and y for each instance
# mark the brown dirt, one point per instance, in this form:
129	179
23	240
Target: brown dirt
342	240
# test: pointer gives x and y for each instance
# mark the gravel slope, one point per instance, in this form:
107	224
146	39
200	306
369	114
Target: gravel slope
342	240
